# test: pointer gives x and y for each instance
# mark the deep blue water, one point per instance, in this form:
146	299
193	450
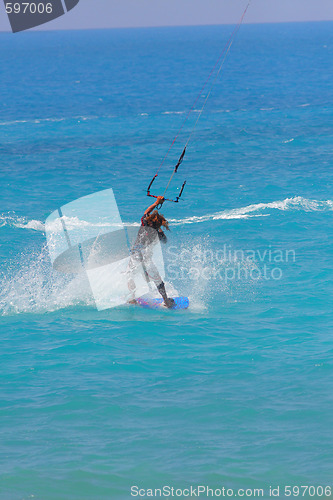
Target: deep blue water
237	390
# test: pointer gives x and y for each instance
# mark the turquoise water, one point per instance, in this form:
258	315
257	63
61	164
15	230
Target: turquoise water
237	390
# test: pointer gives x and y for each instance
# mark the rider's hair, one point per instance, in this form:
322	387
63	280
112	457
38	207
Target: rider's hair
157	220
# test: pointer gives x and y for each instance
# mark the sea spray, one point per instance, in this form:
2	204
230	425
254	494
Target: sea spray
30	285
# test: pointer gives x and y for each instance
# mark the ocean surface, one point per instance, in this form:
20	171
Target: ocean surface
236	391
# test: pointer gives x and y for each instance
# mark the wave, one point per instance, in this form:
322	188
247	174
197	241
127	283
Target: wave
97	117
173	112
20	222
247	212
296	203
11	220
52	120
55	119
34	120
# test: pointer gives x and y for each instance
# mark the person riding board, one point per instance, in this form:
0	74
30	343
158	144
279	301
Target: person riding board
141	253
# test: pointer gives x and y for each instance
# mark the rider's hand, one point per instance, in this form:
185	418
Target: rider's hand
160	200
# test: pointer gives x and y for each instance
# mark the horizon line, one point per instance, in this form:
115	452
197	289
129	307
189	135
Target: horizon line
36	30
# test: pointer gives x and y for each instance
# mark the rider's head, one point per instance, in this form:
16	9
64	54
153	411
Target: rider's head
157	220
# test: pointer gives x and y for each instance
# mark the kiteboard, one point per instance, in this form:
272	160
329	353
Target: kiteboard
179	303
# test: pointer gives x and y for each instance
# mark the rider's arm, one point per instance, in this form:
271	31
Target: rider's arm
159	201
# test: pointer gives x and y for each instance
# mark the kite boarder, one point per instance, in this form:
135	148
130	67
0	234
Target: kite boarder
141	253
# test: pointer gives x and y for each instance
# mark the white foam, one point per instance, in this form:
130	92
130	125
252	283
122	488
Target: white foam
296	203
19	222
31	286
52	120
76	223
173	112
35	225
13	220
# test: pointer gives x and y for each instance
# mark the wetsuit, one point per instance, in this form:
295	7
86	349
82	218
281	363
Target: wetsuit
141	255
